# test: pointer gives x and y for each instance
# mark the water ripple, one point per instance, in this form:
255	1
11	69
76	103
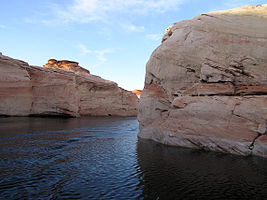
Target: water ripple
101	158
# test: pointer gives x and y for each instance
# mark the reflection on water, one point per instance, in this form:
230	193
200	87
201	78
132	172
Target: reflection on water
176	173
101	158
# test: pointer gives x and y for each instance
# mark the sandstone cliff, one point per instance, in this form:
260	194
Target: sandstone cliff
30	90
206	84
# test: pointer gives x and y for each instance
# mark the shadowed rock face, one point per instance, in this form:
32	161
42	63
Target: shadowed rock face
29	90
67	65
206	84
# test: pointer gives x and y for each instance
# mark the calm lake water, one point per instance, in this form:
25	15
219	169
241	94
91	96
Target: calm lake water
102	158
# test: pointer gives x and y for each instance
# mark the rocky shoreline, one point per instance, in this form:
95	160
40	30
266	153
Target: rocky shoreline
61	88
206	84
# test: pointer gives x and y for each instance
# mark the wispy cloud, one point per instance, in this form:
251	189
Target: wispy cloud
132	28
84	11
2	26
46	22
99	54
155	37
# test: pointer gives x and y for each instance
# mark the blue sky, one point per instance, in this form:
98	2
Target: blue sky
112	38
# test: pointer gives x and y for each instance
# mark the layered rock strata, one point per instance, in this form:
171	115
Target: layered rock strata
36	91
206	84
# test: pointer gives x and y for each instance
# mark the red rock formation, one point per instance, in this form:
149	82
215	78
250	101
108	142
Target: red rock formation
29	90
67	65
137	92
206	85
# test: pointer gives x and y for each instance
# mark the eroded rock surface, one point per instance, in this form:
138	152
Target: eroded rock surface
206	84
67	65
30	90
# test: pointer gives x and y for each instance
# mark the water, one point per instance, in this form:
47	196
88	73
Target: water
101	158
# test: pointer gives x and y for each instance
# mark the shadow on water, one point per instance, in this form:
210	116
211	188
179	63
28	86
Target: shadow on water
178	173
14	126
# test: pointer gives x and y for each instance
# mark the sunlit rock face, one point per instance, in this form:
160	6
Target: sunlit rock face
30	90
137	92
206	84
67	65
15	87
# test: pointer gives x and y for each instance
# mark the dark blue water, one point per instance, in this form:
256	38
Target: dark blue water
101	158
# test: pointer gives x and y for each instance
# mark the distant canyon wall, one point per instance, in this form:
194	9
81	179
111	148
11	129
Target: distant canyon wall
206	84
61	88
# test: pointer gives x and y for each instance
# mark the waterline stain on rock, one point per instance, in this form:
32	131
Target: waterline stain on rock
210	77
61	88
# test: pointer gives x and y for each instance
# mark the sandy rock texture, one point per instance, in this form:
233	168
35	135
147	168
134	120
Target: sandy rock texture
206	84
36	91
67	65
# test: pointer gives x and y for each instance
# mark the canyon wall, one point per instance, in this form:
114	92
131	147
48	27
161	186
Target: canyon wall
206	84
62	88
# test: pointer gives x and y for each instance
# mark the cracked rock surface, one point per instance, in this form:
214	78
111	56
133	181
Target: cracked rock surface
30	90
206	84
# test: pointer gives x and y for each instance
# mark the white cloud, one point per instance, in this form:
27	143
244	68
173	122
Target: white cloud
100	54
133	28
155	37
84	11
